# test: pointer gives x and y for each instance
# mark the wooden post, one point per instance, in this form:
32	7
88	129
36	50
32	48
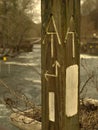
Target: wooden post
60	64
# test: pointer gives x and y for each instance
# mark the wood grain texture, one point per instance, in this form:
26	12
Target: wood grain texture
66	16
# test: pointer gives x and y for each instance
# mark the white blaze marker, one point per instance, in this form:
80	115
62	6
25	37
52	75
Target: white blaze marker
71	90
51	106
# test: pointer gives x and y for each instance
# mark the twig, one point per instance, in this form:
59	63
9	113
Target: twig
86	83
20	96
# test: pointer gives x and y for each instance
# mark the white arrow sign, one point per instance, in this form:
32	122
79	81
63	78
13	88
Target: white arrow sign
73	42
52	34
56	65
72	33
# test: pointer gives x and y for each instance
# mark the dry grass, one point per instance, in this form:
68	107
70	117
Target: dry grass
88	117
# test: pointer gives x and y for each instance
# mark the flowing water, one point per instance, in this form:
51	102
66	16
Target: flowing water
24	73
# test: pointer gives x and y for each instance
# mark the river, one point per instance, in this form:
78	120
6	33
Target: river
24	73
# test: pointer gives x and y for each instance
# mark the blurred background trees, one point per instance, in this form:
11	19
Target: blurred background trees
16	23
89	19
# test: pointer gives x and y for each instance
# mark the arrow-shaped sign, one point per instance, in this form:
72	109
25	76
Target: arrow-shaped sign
55	32
72	33
73	42
56	65
52	34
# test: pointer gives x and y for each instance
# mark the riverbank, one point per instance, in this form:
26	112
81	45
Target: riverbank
23	73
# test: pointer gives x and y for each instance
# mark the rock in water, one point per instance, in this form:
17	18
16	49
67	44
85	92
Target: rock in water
24	122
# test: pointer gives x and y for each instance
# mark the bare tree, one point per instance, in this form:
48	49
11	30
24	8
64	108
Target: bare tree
15	22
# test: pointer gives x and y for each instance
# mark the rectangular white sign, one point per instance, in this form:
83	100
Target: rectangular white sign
51	106
71	97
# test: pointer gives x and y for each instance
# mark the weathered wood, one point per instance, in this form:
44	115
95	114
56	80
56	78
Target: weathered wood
60	64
